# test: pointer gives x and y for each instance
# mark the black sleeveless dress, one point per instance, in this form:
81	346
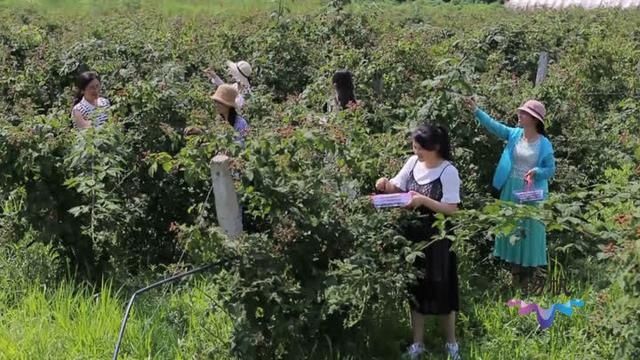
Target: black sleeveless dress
436	291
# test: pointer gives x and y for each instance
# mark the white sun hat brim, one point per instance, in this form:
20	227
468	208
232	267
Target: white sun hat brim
237	74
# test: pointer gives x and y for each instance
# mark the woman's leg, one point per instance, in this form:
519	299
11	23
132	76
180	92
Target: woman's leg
526	277
417	327
516	271
449	326
448	323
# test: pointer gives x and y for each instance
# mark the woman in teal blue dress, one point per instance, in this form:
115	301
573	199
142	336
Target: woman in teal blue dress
527	157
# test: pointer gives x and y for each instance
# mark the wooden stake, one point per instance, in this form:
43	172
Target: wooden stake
543	63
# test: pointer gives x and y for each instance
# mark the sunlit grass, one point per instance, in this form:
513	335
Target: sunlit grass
72	323
188	7
495	331
68	323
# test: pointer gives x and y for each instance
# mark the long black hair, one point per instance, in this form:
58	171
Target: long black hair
433	138
540	128
233	114
81	84
343	81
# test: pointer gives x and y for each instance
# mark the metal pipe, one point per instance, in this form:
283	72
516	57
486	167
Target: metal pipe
145	289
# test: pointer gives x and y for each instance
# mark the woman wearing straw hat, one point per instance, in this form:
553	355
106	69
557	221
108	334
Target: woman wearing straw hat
226	104
527	158
225	101
240	72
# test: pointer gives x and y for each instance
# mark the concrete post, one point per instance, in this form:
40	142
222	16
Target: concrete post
226	198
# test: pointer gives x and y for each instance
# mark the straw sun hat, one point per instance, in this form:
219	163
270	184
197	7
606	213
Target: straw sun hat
226	94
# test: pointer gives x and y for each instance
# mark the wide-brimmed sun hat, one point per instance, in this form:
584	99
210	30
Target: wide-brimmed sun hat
241	71
534	108
226	94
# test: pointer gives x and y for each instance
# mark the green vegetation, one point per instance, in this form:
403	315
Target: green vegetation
70	323
87	219
175	7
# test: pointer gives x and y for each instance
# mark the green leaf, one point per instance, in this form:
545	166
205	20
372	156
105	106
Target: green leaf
153	169
167	166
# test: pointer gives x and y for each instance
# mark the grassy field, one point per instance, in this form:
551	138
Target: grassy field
82	323
188	7
71	322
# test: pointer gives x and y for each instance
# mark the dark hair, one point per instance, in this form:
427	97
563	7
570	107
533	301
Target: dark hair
433	137
233	114
81	84
540	128
343	80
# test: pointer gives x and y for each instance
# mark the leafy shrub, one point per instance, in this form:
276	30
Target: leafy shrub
24	264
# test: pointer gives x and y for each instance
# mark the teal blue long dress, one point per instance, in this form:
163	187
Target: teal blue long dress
518	157
530	246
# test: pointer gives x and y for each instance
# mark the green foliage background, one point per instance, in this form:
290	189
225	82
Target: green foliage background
319	273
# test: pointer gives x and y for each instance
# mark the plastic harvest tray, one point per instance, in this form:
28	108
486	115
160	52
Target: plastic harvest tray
391	200
529	195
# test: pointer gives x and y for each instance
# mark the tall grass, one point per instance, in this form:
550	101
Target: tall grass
498	332
74	323
71	322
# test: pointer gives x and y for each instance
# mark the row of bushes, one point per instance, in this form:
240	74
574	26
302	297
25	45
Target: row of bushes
318	269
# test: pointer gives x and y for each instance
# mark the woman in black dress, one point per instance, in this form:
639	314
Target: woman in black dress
435	187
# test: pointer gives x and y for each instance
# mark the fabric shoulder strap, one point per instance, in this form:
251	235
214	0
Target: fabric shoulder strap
442	172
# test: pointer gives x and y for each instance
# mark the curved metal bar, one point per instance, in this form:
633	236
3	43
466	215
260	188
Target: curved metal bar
145	289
